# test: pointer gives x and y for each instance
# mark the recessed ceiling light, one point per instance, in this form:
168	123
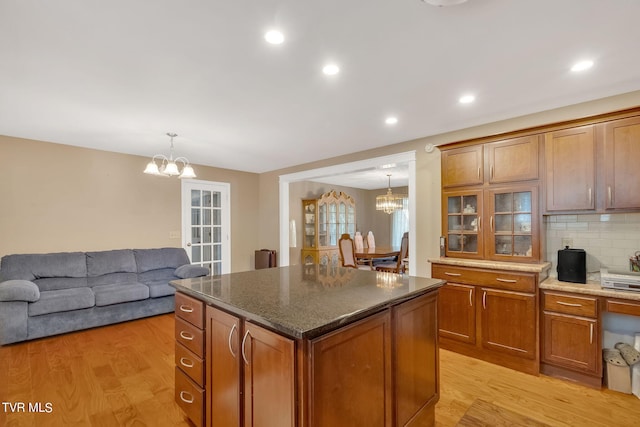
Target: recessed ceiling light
582	65
274	37
443	3
391	120
467	99
331	69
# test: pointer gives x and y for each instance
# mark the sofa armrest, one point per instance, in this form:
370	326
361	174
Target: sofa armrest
19	290
189	271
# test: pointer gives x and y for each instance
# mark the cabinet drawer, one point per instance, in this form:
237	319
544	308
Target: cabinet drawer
190	309
512	281
189	397
190	364
190	337
630	308
571	304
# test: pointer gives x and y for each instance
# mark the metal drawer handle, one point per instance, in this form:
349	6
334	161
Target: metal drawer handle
591	335
478	172
231	333
244	356
187	363
470	299
452	274
506	280
569	304
186	308
484	300
184	399
187	336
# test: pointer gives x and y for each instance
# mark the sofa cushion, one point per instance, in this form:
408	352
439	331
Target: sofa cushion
117	293
112	279
154	259
19	290
190	271
62	300
58	283
37	266
158	282
106	262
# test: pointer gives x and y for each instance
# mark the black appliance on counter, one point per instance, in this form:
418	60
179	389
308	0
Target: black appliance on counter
572	265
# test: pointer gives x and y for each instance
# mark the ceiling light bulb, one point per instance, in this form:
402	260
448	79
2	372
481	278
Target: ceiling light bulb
391	120
582	65
331	69
274	37
467	99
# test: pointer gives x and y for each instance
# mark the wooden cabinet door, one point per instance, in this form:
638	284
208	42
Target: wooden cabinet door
462	223
223	368
269	378
621	171
508	322
513	160
572	342
416	346
457	313
570	169
351	375
462	166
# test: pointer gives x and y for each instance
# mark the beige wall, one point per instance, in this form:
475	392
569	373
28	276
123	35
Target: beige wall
428	171
56	197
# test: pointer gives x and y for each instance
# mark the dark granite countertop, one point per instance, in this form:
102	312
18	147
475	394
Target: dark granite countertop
305	301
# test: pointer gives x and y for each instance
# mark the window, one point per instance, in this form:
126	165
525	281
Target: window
400	222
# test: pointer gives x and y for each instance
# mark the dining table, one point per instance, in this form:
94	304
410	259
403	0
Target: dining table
376	252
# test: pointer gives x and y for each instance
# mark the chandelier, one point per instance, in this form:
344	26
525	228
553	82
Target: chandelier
168	165
389	202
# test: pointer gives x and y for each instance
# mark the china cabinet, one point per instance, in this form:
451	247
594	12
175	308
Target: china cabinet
324	220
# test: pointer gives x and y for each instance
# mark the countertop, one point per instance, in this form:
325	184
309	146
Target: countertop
305	301
542	267
589	288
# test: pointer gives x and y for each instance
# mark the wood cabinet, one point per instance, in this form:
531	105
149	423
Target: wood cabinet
500	223
513	160
620	163
571	344
463	166
189	358
324	220
263	359
489	314
593	167
570	169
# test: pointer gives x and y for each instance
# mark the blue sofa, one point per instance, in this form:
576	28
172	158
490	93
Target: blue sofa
54	293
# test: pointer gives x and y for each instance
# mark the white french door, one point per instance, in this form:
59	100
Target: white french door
206	224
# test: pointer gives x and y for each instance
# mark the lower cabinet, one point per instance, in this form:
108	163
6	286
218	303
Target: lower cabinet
490	315
241	350
571	344
381	370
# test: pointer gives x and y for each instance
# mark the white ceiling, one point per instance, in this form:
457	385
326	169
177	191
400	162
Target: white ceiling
117	75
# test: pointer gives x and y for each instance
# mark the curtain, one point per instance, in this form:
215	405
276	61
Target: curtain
400	222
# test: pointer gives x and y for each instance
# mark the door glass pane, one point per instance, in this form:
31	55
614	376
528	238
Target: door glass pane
195	235
522	223
470	222
216	199
217	235
195	197
454	222
195	254
206	253
217	217
470	243
522	201
206	217
195	216
454	242
217	252
454	205
504	223
470	204
206	234
503	245
216	269
522	246
206	199
503	202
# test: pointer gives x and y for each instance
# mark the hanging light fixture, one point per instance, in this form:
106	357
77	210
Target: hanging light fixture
168	165
389	202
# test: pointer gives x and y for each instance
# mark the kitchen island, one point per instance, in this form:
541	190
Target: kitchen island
307	345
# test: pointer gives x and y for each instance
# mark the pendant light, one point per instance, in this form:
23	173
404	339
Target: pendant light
169	165
389	202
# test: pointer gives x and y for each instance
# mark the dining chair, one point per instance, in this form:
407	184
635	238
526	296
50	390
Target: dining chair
371	241
397	266
347	253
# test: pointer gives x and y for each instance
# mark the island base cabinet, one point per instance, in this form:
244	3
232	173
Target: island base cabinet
241	350
351	375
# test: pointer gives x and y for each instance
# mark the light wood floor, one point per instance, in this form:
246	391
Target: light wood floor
122	375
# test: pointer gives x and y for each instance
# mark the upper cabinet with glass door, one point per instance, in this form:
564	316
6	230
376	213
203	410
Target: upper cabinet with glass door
490	199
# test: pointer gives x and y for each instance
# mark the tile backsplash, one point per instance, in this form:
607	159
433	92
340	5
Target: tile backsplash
608	239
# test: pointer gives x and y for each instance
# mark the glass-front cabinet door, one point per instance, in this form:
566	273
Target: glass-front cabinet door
463	224
513	229
309	211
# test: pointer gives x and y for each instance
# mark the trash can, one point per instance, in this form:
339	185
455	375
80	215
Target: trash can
265	258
